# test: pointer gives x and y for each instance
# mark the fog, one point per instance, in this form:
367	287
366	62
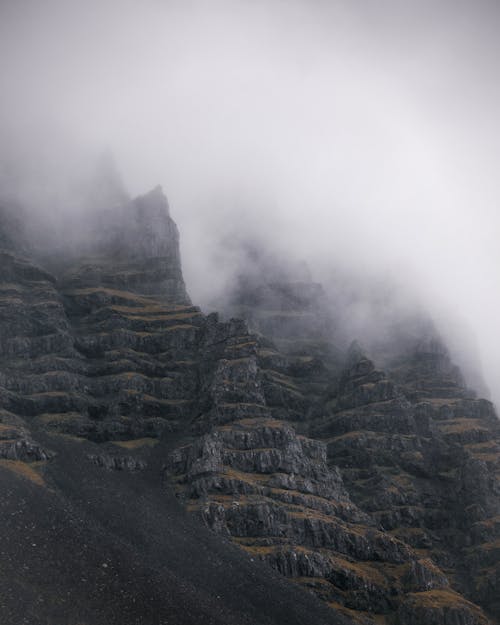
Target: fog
359	136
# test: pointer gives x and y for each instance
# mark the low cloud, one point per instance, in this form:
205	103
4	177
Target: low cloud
361	138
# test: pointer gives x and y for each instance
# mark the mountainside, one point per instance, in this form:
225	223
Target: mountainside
163	466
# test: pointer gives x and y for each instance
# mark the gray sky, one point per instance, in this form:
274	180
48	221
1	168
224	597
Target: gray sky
362	134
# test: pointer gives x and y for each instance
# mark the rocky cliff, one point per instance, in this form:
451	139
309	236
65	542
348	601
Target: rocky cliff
374	492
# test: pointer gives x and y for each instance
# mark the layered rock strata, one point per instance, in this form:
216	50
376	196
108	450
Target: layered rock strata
376	490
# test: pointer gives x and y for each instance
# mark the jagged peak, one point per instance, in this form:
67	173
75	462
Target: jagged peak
154	201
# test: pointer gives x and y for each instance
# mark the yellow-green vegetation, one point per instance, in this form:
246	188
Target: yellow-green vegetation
235	450
185	326
125	295
227	382
259	550
490	523
241	403
46	302
359	616
155	400
227	500
403	480
488	451
485	447
50	394
162	317
236	361
311	500
413	456
439	599
129	375
68	437
26	471
56	417
457	426
367	386
9	286
294	511
408	533
7	428
368	571
137	443
304	359
264	353
442	401
299	512
241	345
279	378
249	478
251	422
352	435
168	402
490	546
484	580
145	309
154	312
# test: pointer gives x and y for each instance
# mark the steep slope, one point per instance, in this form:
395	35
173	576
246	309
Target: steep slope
163	466
101	371
418	455
409	463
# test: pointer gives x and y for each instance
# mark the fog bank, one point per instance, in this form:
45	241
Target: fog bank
361	137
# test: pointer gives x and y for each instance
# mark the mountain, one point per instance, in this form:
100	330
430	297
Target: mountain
159	465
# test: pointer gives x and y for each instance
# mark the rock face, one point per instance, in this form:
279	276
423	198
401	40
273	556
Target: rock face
406	449
134	247
376	489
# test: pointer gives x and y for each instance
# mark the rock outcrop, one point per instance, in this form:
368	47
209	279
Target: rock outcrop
417	453
376	488
133	247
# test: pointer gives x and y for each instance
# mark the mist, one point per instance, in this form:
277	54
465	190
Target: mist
360	137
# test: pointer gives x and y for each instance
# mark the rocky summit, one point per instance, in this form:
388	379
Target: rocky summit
161	466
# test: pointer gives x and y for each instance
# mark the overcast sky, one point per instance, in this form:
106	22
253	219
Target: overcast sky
355	133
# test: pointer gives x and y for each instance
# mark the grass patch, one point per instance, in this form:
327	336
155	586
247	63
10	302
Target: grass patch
253	422
137	443
50	394
461	425
266	353
491	546
242	345
184	326
8	429
68	437
259	550
125	295
359	616
24	470
9	286
154	307
65	417
439	599
279	378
